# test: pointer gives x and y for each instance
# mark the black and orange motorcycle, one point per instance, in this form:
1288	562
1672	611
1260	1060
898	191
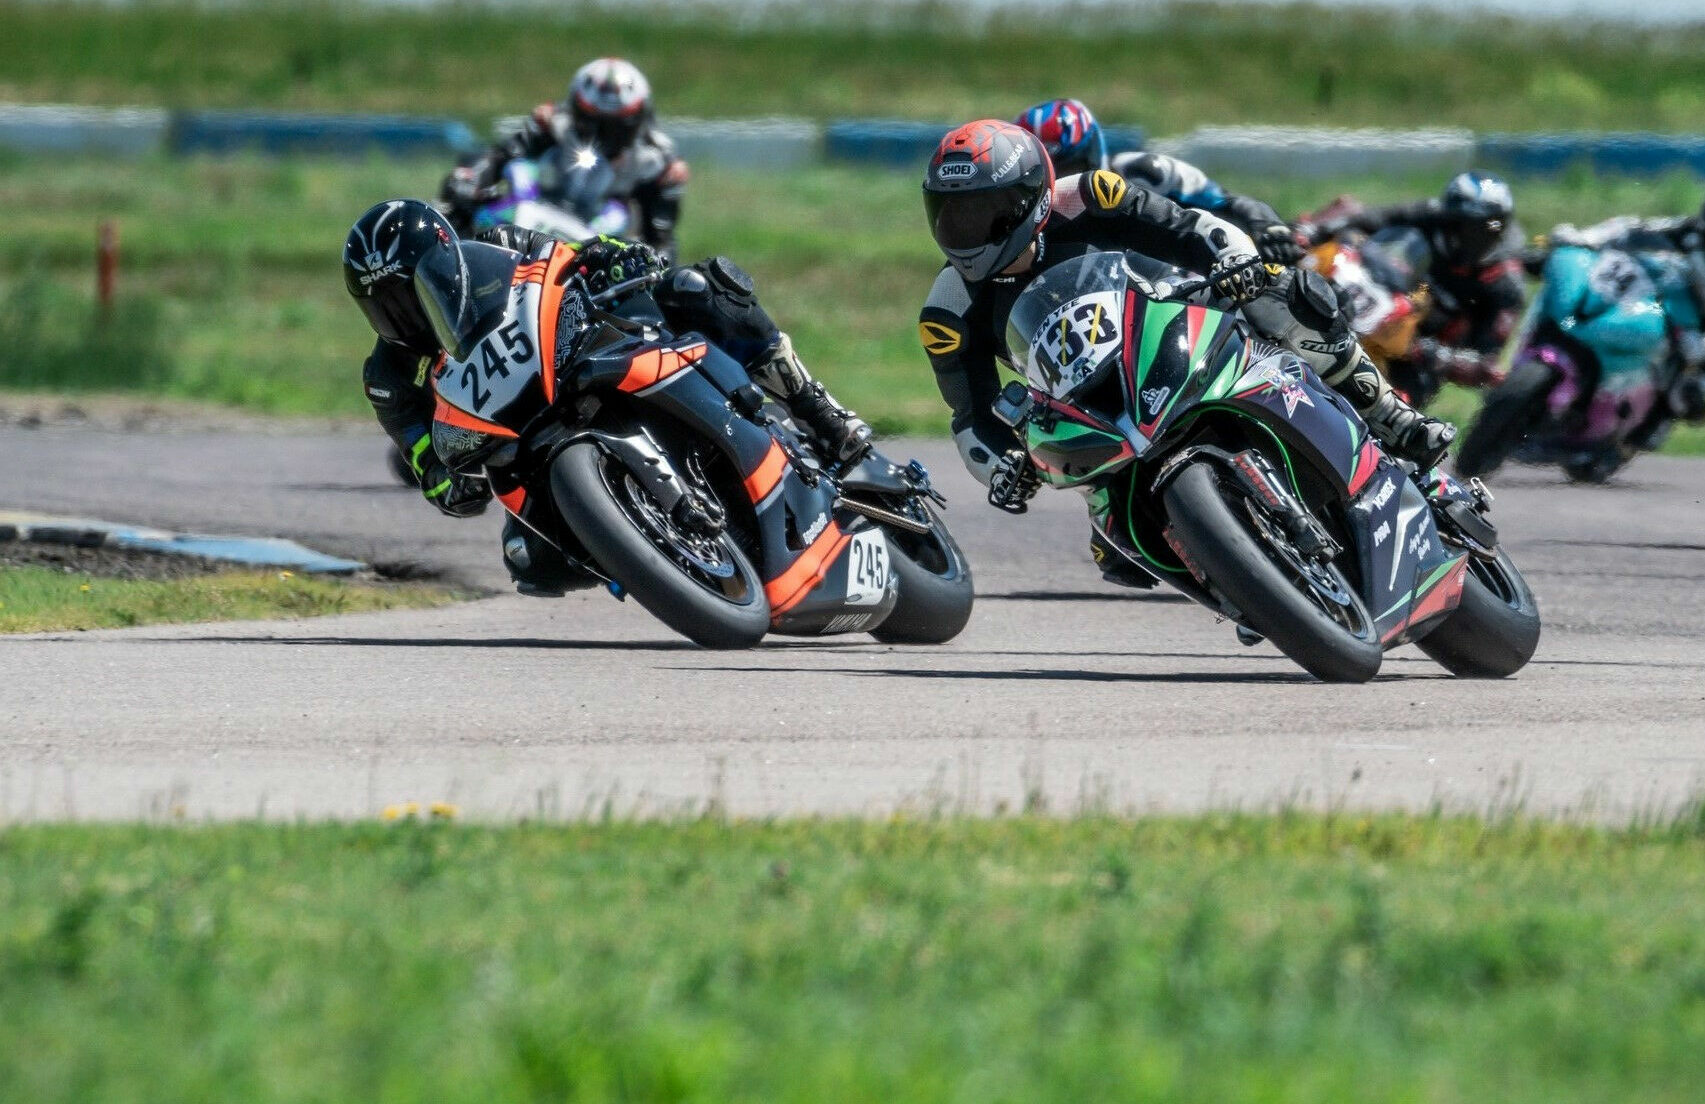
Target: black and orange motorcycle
650	459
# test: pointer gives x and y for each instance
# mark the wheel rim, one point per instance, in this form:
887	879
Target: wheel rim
928	552
1322	584
1497	579
710	562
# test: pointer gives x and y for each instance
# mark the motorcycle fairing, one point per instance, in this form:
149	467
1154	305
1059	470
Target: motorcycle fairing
1279	390
806	551
1408	574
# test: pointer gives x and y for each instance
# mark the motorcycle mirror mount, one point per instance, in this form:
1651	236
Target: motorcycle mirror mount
1015	404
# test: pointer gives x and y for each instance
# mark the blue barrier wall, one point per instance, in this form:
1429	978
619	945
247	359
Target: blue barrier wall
1634	154
900	143
234	131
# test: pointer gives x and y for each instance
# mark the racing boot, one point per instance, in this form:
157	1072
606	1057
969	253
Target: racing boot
1115	567
844	435
1406	433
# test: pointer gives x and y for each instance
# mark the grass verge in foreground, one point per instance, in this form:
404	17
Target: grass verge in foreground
39	599
1225	959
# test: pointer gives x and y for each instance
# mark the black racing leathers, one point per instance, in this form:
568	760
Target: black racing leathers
649	172
398	380
1476	300
963	325
1188	186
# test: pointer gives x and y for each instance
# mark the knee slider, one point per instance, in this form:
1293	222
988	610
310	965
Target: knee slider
730	279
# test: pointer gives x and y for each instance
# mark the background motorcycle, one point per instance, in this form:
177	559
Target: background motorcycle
1223	465
653	462
1594	358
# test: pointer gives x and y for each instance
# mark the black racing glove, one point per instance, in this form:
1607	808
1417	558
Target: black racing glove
1239	277
607	261
460	496
1278	244
1013	482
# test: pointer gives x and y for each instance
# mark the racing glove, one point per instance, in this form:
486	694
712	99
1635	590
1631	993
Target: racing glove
1013	482
460	496
1239	277
607	261
1277	243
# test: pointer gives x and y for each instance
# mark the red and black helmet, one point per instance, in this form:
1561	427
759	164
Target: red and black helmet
987	193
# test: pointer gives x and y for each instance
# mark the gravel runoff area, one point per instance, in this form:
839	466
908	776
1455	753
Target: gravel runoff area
1062	691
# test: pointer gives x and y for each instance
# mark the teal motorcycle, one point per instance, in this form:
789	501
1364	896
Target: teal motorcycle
1594	362
1221	464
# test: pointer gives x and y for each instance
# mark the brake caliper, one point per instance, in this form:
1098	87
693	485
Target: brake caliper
1257	476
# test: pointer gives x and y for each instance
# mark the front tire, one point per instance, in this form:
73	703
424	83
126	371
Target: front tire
608	511
1224	547
935	587
1495	630
1509	412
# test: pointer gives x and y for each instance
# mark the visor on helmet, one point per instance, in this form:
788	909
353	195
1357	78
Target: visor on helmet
983	231
395	315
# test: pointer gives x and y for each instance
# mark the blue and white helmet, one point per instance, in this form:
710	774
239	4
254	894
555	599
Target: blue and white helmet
1069	133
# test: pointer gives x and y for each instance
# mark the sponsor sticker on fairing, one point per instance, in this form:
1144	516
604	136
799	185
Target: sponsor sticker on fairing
1383	495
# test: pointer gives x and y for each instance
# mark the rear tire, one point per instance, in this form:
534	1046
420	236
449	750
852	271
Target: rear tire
1510	411
1238	565
581	485
935	588
1495	630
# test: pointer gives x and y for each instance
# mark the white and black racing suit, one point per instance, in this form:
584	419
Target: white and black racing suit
963	325
649	171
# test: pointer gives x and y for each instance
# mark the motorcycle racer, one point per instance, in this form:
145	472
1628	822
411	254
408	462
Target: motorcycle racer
1476	278
999	215
1680	234
608	109
1076	144
715	297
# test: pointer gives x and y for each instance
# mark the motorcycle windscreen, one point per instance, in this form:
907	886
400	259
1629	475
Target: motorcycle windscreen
1066	331
463	288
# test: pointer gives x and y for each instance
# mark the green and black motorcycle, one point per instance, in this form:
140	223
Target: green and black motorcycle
1222	464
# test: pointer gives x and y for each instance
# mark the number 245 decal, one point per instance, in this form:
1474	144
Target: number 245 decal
487	361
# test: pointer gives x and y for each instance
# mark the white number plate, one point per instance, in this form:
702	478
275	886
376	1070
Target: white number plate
868	571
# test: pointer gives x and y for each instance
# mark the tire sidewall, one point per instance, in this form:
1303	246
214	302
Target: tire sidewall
1235	564
932	608
588	505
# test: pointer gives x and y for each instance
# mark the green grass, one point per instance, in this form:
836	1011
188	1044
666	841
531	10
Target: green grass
1227	959
1168	67
232	295
36	599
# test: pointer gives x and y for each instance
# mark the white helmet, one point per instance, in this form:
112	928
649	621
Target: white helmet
610	100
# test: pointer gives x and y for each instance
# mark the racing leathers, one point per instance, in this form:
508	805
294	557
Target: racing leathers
963	325
1476	300
1188	186
649	171
714	297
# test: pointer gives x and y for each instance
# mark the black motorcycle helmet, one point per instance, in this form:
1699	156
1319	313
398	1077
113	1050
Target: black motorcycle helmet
380	256
987	193
1479	207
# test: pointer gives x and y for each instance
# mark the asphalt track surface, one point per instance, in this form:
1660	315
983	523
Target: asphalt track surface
1063	691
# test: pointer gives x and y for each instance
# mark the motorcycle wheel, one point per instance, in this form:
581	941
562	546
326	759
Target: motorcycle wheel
1495	630
935	585
1512	409
705	589
1272	593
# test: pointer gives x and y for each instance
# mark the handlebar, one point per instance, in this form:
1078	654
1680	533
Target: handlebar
628	287
1204	283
